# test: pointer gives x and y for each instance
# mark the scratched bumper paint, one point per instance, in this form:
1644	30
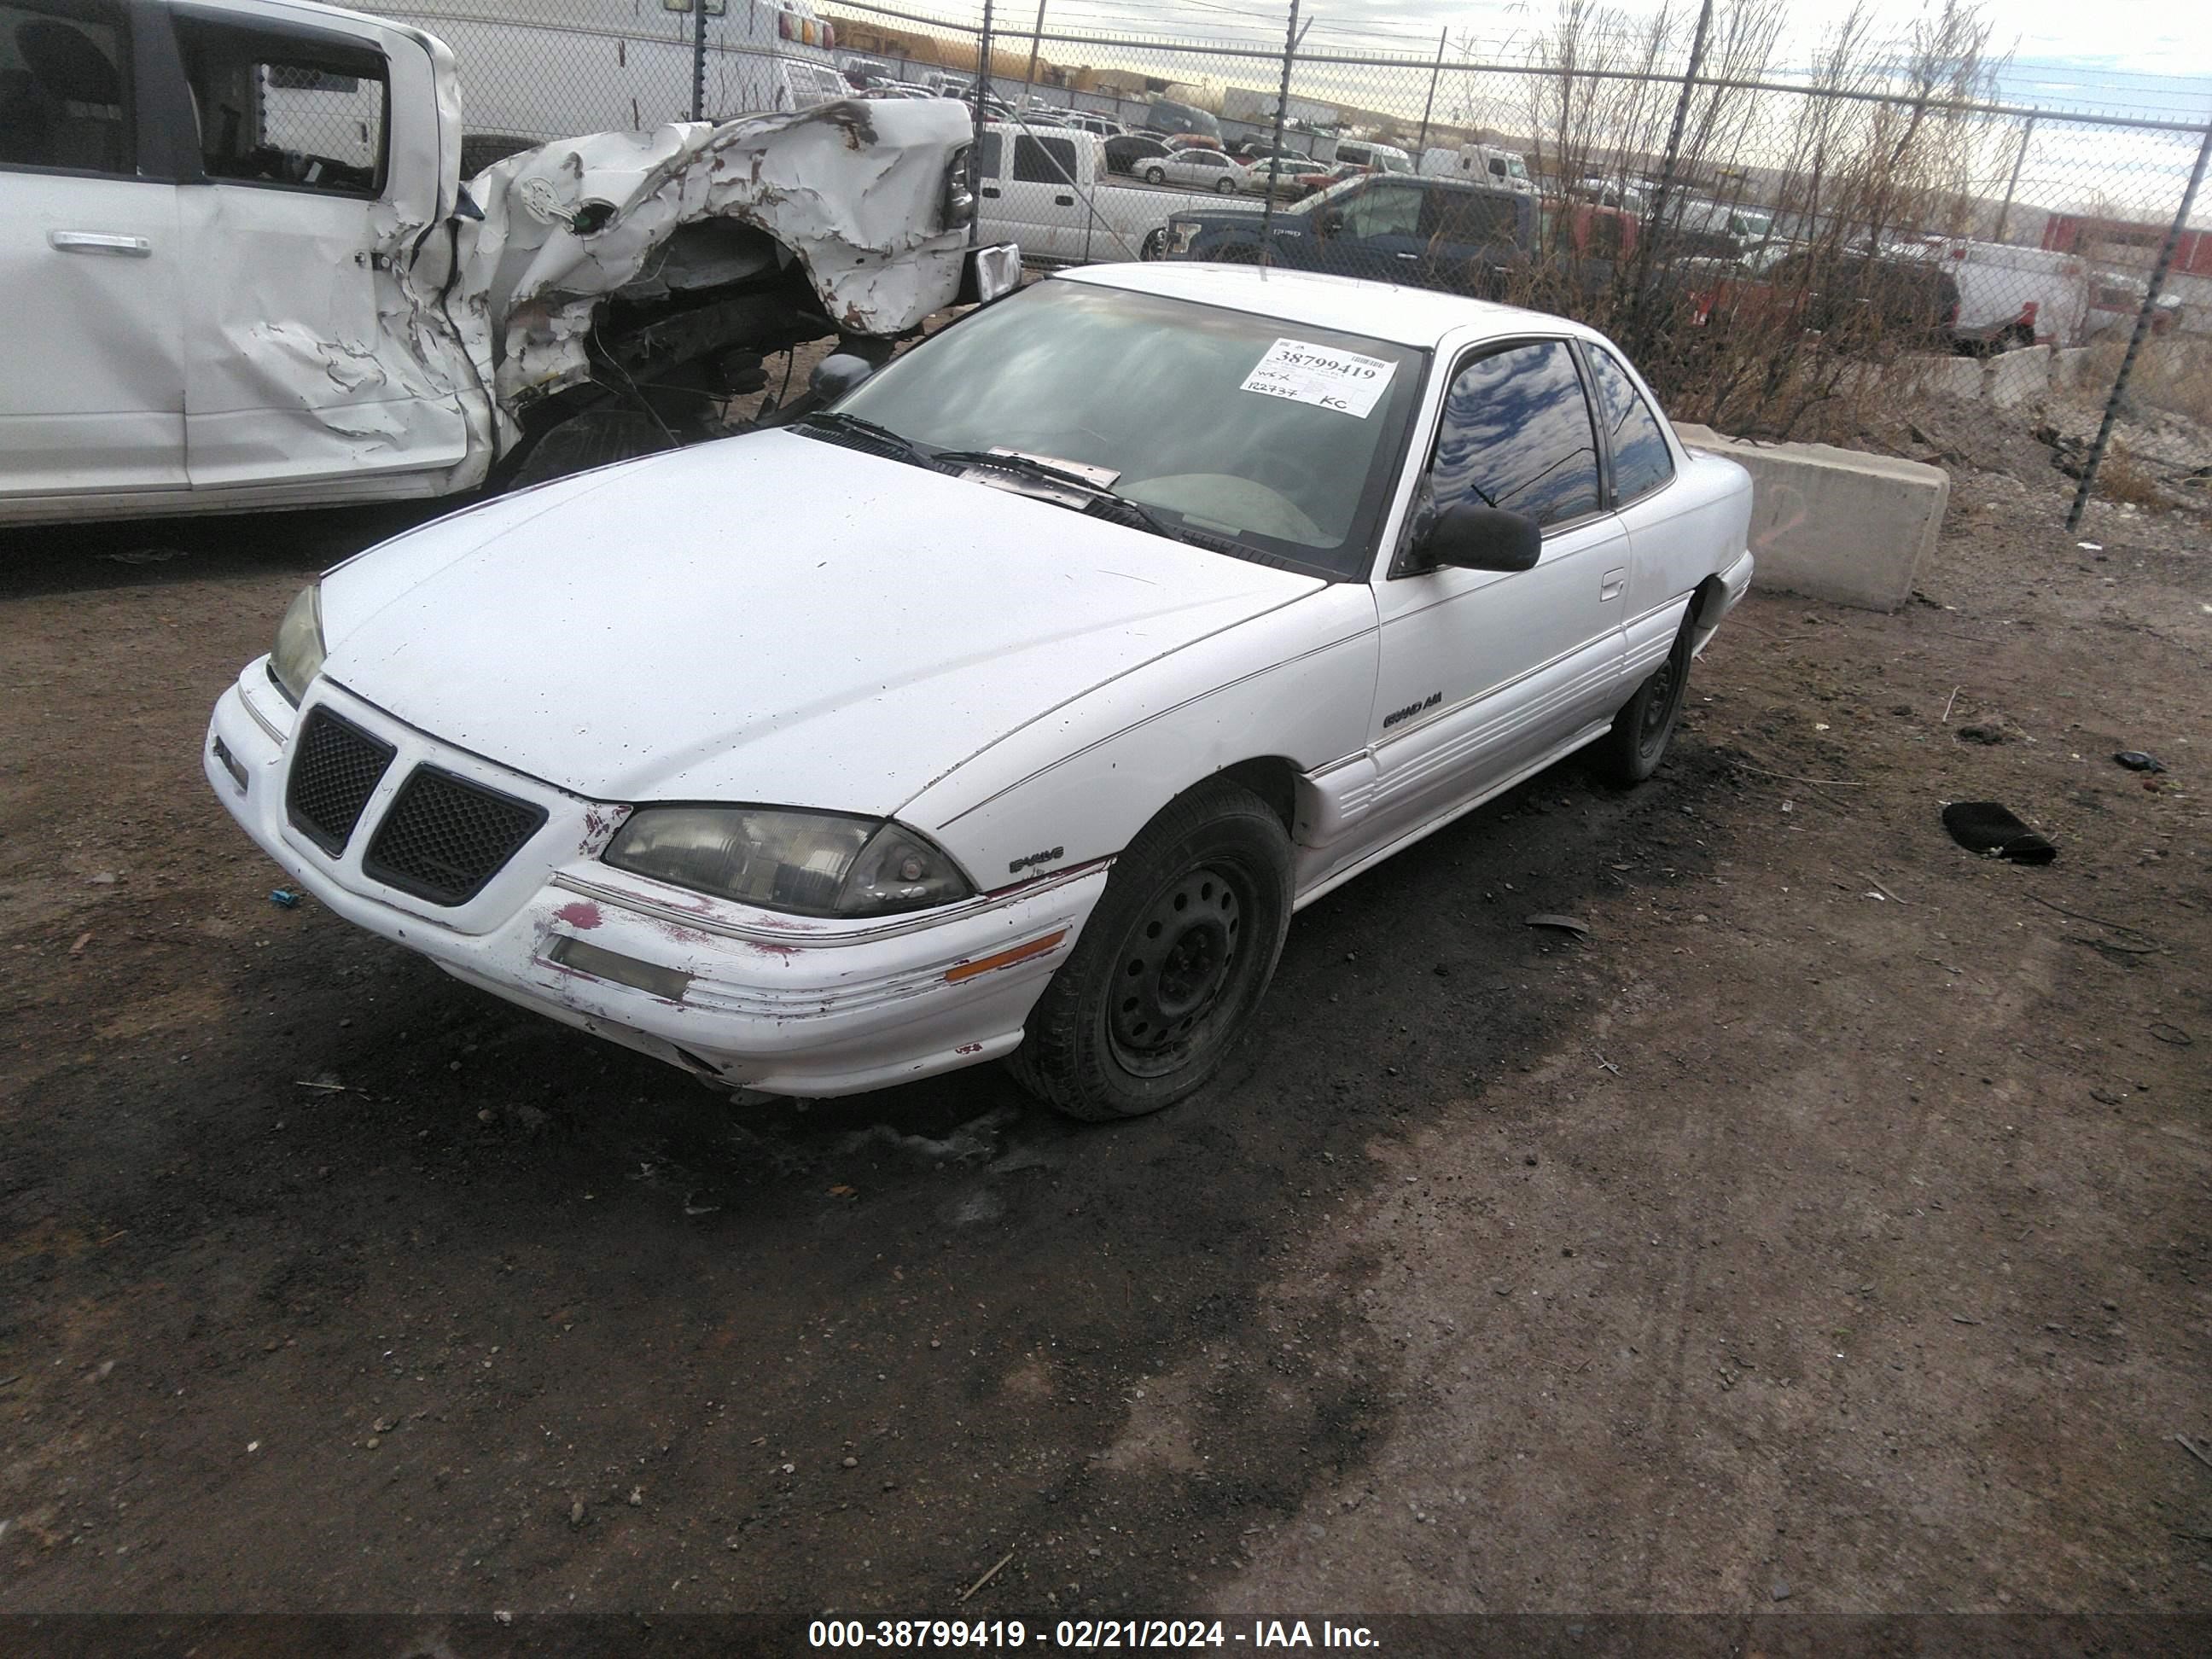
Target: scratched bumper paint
781	1004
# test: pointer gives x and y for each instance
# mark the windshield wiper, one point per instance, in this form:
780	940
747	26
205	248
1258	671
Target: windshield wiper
835	421
1128	512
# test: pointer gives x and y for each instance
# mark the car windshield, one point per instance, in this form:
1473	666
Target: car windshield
1263	436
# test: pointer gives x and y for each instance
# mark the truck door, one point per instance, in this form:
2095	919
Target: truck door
1466	237
322	145
1377	233
92	385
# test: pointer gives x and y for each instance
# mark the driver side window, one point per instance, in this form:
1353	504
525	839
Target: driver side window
1516	434
282	110
1383	210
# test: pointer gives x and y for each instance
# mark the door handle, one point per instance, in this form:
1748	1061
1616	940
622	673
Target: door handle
991	191
1410	258
1612	583
1063	201
99	241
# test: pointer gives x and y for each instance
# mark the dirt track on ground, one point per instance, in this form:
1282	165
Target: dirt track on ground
1829	1227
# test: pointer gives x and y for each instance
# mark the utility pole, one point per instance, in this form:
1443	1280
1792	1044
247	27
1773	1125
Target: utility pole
1291	38
1429	108
1029	81
974	149
2004	213
698	60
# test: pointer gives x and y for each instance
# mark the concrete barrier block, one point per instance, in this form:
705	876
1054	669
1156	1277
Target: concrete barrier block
2071	369
2012	378
1836	524
1946	376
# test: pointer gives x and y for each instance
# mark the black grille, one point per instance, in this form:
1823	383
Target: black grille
445	837
336	767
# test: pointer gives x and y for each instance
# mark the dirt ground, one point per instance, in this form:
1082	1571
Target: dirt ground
1828	1230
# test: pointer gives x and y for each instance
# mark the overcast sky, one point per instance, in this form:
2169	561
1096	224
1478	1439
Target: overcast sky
2143	57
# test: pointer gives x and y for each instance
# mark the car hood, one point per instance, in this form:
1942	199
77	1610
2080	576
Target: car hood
771	618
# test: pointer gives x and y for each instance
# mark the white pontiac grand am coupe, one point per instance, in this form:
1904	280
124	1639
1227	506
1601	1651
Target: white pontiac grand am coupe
1009	706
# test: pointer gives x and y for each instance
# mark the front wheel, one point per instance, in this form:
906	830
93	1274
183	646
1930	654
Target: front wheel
1154	246
1631	751
1154	176
1171	966
1225	186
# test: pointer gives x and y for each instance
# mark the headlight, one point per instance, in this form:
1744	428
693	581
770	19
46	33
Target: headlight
813	863
959	200
298	656
1180	235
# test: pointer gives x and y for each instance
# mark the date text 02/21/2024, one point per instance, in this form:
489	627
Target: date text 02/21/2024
1088	1635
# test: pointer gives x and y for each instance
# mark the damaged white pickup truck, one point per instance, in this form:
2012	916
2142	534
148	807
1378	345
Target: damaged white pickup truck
242	269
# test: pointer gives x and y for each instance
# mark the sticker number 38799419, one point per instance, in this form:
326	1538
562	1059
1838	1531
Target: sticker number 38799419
1343	381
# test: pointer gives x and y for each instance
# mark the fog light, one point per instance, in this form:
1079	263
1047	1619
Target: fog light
665	982
231	764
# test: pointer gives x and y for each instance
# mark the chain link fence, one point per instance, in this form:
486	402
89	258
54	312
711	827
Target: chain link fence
1786	246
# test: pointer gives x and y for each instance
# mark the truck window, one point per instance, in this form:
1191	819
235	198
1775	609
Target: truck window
1516	434
1043	161
1384	210
65	96
284	109
1471	217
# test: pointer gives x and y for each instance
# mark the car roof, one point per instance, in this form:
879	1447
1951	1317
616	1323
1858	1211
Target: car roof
1406	316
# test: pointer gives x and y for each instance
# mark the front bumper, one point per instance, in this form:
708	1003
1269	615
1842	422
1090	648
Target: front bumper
749	997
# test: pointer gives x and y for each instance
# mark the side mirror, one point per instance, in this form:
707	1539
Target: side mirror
1473	537
837	375
1331	223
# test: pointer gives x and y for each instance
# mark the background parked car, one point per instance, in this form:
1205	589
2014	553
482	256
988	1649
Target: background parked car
1129	151
1201	169
1422	233
1279	175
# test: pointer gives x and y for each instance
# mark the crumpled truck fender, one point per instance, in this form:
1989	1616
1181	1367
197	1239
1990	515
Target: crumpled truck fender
855	191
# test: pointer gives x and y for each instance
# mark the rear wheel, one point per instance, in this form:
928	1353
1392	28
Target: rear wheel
1225	186
1631	751
1171	966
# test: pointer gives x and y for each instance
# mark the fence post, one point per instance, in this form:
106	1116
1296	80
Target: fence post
1429	108
2004	213
2142	328
698	60
975	143
1655	221
1282	107
1036	39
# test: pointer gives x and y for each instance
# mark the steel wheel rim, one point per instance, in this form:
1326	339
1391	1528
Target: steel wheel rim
1659	711
1175	968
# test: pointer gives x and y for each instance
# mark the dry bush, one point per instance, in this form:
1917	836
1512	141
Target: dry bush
1781	354
2172	371
2121	479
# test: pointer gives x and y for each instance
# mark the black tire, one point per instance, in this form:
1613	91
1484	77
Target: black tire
1154	246
1225	186
1631	751
1154	176
1171	966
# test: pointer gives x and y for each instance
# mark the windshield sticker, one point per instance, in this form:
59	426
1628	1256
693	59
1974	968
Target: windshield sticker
1342	380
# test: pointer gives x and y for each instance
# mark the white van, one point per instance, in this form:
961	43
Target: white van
1478	164
1384	158
615	66
2011	297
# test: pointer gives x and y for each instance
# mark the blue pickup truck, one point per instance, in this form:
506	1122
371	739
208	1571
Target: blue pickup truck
1423	233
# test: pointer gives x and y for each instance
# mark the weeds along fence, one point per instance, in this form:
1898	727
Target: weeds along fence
1782	241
